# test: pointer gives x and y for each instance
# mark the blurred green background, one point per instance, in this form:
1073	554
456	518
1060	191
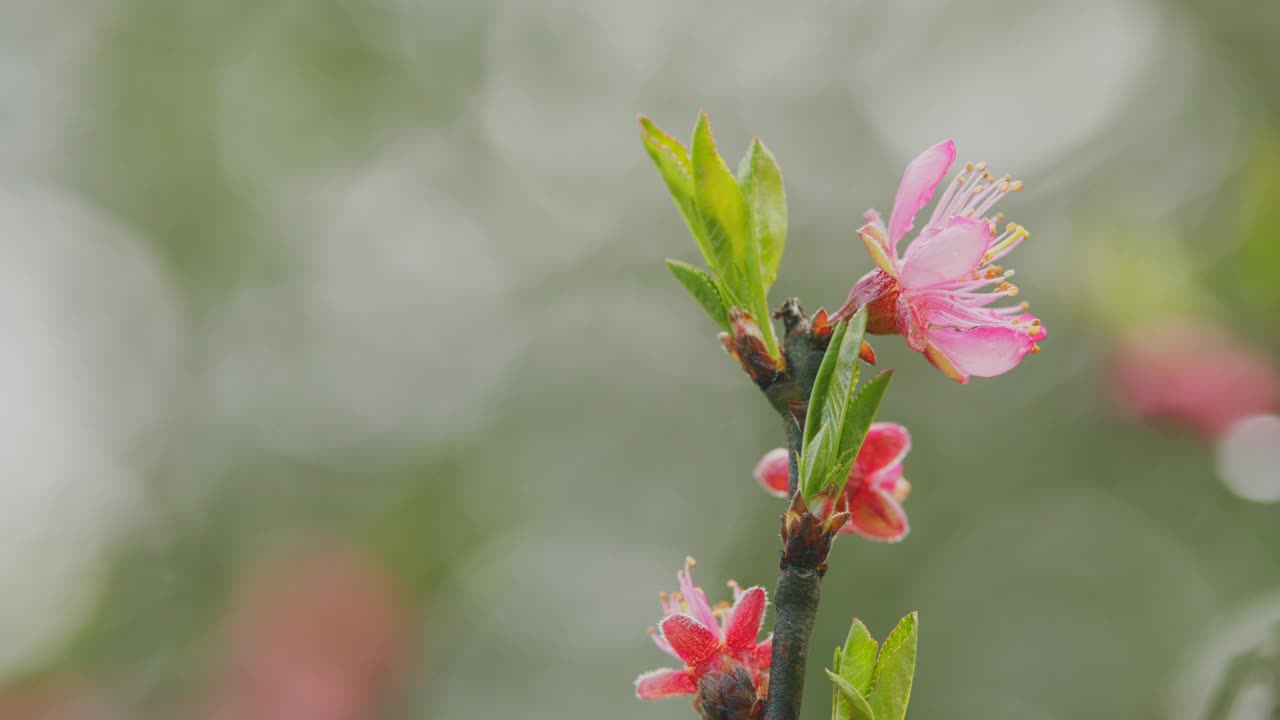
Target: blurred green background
344	379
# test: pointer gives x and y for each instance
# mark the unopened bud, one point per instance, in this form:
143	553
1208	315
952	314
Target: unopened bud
806	538
728	693
746	345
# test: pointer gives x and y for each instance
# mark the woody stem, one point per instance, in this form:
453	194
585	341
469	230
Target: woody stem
795	603
795	600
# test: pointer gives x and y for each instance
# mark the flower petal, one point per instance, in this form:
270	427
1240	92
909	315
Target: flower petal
877	516
885	445
664	683
1040	333
879	248
944	364
890	480
982	351
743	627
945	255
875	285
918	183
909	325
764	653
694	642
695	598
662	644
773	472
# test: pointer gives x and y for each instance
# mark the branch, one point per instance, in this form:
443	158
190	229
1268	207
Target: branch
806	542
806	539
787	383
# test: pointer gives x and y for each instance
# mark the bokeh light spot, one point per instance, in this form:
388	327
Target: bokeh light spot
1249	458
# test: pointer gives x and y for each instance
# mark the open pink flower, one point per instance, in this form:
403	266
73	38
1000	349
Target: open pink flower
874	490
708	639
937	294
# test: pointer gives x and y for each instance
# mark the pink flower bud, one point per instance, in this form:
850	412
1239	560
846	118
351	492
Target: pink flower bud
872	495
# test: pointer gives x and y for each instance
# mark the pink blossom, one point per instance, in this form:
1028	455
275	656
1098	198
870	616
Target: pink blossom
322	633
937	294
874	490
708	639
1193	375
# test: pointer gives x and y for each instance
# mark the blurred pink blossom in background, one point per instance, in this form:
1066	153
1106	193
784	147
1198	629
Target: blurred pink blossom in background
1194	375
320	634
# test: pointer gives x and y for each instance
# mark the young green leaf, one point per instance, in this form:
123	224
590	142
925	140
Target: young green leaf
813	469
822	384
862	412
855	706
734	258
835	691
839	382
891	684
761	182
858	657
720	203
703	289
844	381
673	164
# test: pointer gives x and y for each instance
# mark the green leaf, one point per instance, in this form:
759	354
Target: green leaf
703	289
832	404
761	181
835	410
734	257
862	411
720	203
891	685
855	706
858	657
813	470
822	384
673	164
741	242
835	691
